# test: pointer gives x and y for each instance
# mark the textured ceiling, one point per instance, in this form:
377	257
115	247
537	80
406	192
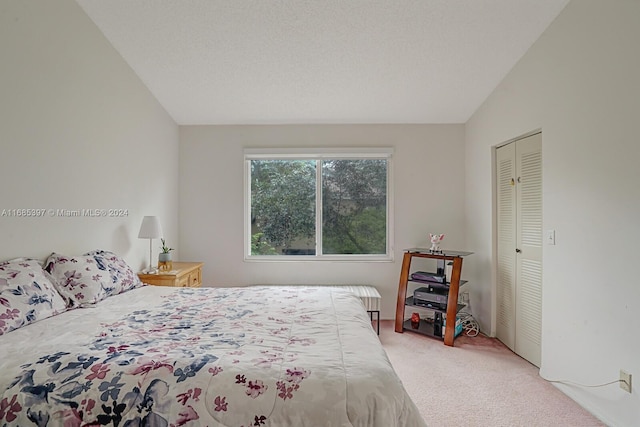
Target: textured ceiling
321	61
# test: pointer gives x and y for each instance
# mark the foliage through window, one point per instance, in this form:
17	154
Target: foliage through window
319	206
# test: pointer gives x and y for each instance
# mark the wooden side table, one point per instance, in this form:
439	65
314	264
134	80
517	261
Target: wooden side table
183	275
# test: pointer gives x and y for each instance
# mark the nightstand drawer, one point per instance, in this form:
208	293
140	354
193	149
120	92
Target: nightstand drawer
195	278
183	275
184	282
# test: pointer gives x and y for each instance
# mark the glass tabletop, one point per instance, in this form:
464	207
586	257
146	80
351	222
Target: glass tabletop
443	252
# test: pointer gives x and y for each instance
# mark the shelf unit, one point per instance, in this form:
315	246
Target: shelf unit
453	286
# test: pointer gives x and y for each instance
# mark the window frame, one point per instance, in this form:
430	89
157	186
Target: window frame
318	154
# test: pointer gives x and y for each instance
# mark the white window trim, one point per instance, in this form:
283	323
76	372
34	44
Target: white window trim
318	153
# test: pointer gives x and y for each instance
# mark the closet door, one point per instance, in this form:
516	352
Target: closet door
529	248
506	274
519	286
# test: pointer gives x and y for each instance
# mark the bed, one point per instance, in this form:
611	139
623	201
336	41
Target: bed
158	356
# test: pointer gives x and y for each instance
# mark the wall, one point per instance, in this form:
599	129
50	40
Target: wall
428	195
78	130
579	83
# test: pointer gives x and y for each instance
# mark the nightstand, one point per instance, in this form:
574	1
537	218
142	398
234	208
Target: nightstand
183	275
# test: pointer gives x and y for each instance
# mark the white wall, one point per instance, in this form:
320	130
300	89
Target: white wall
428	186
78	130
579	83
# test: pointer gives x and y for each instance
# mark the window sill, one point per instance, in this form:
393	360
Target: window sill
324	258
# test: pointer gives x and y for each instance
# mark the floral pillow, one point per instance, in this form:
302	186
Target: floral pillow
81	280
122	276
86	279
27	294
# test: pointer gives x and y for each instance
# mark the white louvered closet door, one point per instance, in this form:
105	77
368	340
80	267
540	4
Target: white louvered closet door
520	248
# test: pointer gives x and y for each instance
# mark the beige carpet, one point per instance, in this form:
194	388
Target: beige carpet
477	383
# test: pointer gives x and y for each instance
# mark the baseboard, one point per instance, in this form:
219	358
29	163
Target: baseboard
576	398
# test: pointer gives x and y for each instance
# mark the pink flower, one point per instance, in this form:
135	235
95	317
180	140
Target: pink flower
221	404
184	397
8	408
256	388
187	414
286	392
12	273
99	371
296	375
10	314
215	370
191	393
304	341
88	405
112	350
151	366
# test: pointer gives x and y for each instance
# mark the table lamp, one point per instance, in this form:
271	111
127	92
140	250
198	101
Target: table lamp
150	229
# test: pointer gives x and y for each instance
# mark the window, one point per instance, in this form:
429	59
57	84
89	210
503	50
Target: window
318	205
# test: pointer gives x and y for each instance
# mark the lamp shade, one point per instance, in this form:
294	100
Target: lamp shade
150	228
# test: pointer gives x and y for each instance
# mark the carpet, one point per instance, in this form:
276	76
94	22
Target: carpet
477	383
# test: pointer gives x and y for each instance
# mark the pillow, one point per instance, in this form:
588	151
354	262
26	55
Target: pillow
27	294
87	279
122	276
79	279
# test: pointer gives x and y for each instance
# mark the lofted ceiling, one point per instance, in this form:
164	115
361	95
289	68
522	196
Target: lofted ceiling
321	61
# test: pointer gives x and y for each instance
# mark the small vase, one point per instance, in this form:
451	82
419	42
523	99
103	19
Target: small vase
415	320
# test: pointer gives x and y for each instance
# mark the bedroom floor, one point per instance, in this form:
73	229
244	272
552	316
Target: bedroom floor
477	383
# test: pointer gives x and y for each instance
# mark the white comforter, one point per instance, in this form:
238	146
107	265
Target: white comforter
259	356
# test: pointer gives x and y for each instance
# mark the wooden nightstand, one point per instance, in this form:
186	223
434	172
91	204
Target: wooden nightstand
183	275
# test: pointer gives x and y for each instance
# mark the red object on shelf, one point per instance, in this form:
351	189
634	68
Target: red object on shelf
415	320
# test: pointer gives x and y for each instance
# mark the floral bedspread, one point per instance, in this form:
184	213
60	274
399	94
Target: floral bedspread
259	356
